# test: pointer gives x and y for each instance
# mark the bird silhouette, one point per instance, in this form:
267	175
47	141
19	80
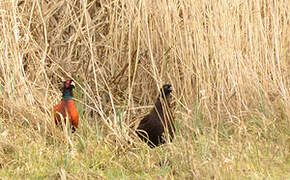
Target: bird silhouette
66	107
153	126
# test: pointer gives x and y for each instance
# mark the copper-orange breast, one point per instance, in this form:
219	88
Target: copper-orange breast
64	108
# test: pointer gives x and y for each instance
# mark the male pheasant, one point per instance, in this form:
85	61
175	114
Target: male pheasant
153	126
66	107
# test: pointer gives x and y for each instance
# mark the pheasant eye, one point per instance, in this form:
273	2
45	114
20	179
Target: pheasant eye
67	83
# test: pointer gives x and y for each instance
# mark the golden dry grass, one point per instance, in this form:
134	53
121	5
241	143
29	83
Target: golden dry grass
228	61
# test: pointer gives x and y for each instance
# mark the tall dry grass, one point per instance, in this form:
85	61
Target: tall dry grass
228	62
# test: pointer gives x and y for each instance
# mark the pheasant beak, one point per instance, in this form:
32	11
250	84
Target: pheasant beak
72	83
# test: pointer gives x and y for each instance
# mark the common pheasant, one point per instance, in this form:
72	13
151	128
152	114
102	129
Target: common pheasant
66	107
153	126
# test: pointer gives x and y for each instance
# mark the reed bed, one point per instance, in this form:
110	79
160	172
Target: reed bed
228	62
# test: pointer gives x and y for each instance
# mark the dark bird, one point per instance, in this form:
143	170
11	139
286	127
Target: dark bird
66	107
153	126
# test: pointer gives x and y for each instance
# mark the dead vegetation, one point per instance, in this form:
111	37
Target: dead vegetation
228	62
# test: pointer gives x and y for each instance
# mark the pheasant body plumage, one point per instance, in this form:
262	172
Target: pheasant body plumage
66	108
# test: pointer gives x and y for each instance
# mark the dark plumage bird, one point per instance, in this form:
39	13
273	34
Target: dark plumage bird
66	107
153	126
